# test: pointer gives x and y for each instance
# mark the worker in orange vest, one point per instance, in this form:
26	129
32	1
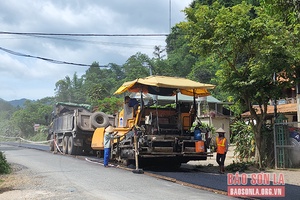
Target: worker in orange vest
222	148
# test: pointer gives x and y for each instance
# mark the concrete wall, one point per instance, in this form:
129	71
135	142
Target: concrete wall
219	122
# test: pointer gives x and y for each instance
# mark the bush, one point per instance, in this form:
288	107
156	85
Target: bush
4	165
244	140
41	136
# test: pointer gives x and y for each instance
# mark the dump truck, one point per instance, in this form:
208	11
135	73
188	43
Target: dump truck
72	127
155	134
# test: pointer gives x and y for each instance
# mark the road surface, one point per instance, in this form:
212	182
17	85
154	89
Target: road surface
65	177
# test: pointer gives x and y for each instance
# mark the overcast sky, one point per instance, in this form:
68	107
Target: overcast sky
31	78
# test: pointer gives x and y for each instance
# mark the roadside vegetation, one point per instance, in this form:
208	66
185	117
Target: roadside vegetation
39	136
5	167
243	138
240	46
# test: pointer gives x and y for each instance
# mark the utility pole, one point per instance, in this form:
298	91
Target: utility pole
170	14
274	126
298	102
146	64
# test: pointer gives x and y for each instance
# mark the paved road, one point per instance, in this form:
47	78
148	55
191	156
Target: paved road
219	182
67	178
208	180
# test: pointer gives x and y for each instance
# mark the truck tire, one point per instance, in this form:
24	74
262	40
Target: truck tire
71	146
65	144
99	119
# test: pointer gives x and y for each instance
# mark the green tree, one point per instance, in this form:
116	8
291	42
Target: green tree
249	48
111	76
6	112
159	52
204	70
110	105
92	87
243	137
32	113
288	11
158	65
69	90
62	88
47	100
136	67
180	59
101	83
118	75
225	3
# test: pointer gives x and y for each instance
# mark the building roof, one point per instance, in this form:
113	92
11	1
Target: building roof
290	108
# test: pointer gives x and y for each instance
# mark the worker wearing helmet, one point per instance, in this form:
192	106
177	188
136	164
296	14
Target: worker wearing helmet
222	148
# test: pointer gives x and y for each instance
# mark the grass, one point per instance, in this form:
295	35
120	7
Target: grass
39	137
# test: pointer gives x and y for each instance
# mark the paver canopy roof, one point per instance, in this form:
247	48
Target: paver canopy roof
166	86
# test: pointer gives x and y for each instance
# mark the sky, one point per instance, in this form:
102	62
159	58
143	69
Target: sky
32	78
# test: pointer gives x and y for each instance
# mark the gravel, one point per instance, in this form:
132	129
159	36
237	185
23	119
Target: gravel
25	184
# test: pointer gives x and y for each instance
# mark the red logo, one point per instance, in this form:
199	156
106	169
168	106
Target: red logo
256	185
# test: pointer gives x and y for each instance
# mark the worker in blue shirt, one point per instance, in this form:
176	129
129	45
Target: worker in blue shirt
133	103
108	136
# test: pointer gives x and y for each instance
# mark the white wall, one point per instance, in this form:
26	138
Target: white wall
219	122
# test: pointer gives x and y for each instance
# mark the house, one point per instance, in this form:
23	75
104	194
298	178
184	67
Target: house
287	143
289	110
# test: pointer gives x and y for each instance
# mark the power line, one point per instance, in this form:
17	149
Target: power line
45	35
71	38
97	42
85	34
45	59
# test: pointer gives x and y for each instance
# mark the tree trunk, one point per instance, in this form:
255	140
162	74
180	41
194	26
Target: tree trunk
258	146
258	150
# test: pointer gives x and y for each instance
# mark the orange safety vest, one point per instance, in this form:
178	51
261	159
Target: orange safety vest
221	145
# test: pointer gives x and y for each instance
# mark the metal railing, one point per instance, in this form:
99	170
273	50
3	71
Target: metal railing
287	144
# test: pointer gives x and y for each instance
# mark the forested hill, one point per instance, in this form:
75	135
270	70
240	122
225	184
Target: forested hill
14	103
19	102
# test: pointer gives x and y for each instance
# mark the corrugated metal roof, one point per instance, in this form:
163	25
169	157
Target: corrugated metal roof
282	108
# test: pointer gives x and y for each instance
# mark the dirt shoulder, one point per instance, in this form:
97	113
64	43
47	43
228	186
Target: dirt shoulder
20	184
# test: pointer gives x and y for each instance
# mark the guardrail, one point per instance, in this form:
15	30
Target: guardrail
20	139
24	140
